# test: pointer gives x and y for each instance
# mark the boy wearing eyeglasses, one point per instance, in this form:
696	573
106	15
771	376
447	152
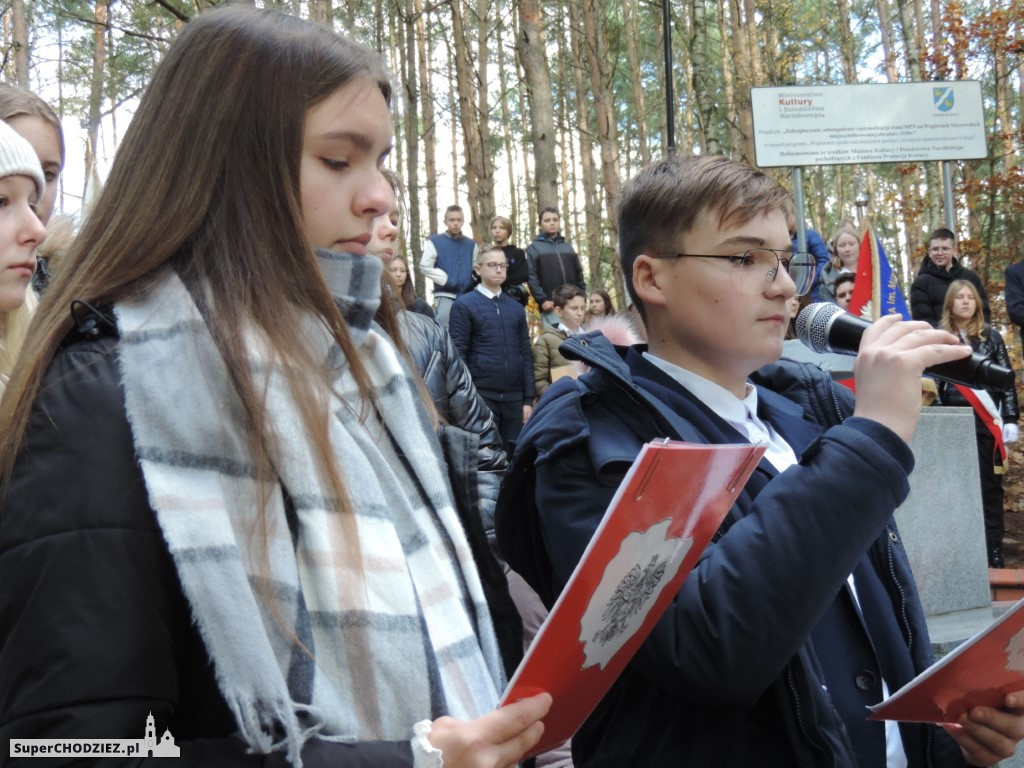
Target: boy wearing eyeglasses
489	330
940	268
803	610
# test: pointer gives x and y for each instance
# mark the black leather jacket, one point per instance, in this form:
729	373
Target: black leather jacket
451	388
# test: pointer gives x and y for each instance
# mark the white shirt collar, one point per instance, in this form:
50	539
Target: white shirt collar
487	291
740	413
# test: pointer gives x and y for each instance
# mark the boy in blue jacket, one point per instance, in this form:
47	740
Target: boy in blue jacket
803	610
489	330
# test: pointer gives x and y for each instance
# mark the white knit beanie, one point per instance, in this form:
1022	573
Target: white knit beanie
17	158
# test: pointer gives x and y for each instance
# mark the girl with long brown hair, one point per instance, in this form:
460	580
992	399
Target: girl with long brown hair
995	413
223	503
846	253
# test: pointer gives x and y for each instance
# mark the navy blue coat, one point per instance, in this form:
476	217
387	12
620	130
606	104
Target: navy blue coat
730	675
493	339
1015	293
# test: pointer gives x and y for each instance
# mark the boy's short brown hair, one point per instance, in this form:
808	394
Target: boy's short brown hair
563	294
661	204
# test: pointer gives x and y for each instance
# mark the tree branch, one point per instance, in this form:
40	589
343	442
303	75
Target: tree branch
177	13
123	30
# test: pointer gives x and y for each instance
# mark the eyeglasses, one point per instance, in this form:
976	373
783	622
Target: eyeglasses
495	265
754	270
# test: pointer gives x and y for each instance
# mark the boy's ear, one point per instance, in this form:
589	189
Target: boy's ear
646	274
476	267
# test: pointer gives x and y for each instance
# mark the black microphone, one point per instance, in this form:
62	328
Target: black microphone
828	327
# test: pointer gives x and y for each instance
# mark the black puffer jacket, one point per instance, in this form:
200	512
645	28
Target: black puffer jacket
552	262
95	632
989	345
451	388
928	291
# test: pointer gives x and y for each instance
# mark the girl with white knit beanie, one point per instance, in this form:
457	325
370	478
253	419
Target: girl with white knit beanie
21	231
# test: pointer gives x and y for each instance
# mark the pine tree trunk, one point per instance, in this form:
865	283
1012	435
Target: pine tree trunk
639	108
429	123
728	91
742	58
479	173
413	244
607	128
529	226
321	12
910	202
19	42
99	60
701	96
534	61
453	109
592	204
506	130
847	49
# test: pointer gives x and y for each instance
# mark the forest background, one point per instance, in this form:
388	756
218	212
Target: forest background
506	106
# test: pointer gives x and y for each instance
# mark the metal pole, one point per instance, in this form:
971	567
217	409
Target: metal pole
670	118
798	202
947	195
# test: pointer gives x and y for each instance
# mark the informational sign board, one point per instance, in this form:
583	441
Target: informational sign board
868	123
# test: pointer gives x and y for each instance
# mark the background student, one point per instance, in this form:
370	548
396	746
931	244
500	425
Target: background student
36	122
599	305
22	184
570	305
962	315
846	247
490	332
515	284
552	262
447	261
941	266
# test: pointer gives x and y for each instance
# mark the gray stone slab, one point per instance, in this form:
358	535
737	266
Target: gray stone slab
949	630
941	521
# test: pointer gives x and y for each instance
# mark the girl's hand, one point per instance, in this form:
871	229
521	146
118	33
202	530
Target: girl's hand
496	740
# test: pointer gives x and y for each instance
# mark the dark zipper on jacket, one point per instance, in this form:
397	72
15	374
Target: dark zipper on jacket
561	265
835	401
643	405
504	338
798	711
908	634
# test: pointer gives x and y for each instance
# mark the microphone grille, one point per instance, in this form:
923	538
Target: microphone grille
812	325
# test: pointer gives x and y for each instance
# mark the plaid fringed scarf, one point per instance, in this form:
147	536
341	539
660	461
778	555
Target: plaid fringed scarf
399	637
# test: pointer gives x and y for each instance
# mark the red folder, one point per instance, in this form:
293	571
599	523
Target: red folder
978	673
664	513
